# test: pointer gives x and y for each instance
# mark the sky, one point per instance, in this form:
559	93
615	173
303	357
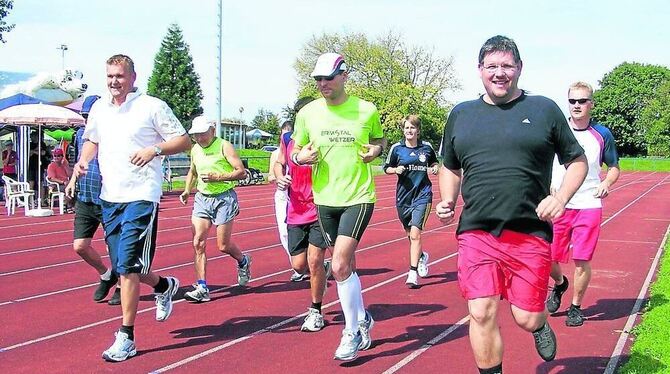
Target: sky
560	41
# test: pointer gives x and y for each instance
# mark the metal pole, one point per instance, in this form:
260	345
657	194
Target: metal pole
219	31
63	48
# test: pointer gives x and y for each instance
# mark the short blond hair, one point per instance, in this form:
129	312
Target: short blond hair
581	86
121	60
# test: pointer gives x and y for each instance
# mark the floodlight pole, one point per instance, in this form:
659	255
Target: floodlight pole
219	33
63	48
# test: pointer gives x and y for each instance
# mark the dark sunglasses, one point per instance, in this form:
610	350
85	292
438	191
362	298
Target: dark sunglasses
581	101
328	78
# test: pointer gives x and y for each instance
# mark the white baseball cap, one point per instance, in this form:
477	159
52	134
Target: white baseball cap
200	124
329	64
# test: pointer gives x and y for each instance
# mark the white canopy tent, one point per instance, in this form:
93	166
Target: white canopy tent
26	116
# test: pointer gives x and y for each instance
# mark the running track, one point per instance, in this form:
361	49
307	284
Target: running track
50	323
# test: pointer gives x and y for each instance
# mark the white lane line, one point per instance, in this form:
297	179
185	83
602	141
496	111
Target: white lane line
412	356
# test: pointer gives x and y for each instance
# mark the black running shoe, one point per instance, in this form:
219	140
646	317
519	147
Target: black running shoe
545	342
116	297
554	299
575	317
104	287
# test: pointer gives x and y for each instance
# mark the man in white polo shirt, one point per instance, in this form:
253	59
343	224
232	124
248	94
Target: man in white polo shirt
127	130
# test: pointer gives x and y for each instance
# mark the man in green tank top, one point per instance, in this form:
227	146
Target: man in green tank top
215	166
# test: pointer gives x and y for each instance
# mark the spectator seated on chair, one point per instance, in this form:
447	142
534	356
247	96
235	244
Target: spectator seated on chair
59	172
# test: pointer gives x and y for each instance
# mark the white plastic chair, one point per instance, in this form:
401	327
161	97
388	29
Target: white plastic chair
16	194
55	194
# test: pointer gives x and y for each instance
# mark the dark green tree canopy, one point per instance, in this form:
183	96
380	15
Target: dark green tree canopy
625	92
399	79
655	119
5	7
174	79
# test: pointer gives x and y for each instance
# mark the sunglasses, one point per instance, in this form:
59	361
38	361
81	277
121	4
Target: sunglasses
581	101
328	78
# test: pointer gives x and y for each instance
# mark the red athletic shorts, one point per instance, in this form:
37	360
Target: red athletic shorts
578	229
514	266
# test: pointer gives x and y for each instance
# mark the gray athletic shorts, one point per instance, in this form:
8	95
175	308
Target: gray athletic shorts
219	209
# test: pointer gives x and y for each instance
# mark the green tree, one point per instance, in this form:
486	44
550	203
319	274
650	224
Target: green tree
174	79
5	7
399	79
655	119
625	92
267	121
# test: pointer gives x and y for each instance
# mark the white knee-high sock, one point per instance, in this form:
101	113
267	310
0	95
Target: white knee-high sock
349	292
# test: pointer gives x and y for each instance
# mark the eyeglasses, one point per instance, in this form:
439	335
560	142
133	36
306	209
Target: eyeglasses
328	78
58	156
505	68
581	101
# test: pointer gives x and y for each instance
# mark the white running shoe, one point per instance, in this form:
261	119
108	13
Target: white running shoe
199	294
422	268
313	321
364	328
412	279
297	277
122	349
348	348
244	272
164	300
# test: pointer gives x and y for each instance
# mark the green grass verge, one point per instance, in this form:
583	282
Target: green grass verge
650	352
645	164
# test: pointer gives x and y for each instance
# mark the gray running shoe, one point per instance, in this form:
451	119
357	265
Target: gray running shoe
575	317
554	299
244	272
348	348
545	342
164	300
122	349
364	328
199	294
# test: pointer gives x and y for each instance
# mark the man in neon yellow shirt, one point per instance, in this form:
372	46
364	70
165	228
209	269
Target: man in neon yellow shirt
215	166
340	134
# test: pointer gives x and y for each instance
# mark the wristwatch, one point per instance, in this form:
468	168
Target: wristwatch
157	150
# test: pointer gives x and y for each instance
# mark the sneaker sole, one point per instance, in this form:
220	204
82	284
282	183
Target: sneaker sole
194	300
413	286
307	329
346	358
119	359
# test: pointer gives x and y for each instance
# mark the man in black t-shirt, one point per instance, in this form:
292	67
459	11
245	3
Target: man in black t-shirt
502	147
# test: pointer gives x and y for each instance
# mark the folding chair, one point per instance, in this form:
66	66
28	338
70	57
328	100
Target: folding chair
16	194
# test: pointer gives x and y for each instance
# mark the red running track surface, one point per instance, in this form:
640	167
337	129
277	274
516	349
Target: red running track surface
50	322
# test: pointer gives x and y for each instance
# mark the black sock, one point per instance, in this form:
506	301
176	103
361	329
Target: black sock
494	370
316	306
541	327
162	285
129	330
413	268
576	306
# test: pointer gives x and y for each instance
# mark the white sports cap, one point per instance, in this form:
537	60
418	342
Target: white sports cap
329	64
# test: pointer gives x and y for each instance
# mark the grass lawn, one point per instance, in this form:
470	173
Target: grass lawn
645	164
650	352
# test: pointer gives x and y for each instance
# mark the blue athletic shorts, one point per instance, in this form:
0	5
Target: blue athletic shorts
414	215
130	233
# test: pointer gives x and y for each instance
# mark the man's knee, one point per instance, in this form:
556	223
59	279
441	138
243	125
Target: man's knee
483	311
81	245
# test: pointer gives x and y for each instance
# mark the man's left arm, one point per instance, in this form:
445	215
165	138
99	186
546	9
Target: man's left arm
171	130
611	178
377	142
